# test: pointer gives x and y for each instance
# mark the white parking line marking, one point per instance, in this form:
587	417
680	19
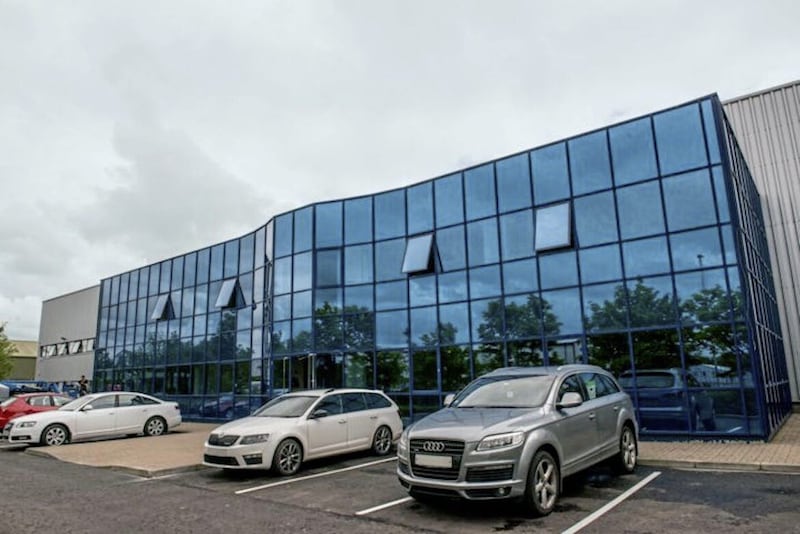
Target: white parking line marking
382	506
592	517
326	473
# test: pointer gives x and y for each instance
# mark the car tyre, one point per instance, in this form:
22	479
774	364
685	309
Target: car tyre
288	457
544	484
628	455
55	435
155	426
382	441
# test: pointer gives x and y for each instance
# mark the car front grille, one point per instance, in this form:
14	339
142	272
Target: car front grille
219	460
490	474
222	440
437	447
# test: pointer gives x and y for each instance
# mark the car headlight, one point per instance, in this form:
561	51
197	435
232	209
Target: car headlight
26	424
255	438
499	441
402	444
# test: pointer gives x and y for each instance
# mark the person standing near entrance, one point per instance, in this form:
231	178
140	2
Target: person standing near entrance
83	386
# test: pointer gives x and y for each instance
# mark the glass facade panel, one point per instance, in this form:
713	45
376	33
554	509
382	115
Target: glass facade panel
516	235
358	264
391	329
418	254
302	272
391	295
390	214
513	183
595	219
600	264
482	242
633	151
696	249
389	260
453	324
328	224
520	276
453	286
550	174
422	290
605	307
420	208
558	270
283	235
680	140
451	248
640	211
448	195
562	312
358	220
359	298
484	282
589	165
329	268
303	229
479	192
645	257
689	200
424	327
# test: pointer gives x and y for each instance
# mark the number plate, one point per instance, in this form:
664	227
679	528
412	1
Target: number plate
429	460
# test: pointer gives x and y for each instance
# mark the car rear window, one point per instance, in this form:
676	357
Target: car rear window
375	400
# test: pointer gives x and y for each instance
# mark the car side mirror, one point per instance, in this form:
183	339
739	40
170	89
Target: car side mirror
87	408
448	399
316	414
570	400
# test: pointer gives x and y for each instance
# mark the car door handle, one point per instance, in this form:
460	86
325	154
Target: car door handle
342	421
592	416
616	408
373	416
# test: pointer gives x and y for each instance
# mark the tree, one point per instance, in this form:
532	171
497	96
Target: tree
7	349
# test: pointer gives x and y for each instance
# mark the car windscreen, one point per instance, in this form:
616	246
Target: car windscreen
505	392
286	406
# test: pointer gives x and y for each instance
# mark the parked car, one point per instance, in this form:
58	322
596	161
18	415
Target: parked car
670	398
113	413
516	432
303	425
30	403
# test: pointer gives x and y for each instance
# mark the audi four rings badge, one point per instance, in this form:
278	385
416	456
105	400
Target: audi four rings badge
433	446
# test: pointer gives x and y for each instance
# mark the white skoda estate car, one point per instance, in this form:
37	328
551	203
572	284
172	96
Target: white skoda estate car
303	425
516	433
99	415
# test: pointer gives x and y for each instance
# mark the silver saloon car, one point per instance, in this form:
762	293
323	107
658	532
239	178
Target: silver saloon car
303	425
516	432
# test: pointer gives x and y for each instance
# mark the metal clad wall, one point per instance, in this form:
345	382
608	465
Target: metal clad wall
767	126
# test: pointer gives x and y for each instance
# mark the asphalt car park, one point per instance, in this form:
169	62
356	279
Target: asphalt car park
363	486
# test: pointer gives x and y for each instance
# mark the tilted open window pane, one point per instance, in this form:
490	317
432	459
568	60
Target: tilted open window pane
553	227
420	255
163	309
230	295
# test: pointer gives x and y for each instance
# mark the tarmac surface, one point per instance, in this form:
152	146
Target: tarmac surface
182	450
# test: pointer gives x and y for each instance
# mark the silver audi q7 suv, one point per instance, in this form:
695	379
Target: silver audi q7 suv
516	432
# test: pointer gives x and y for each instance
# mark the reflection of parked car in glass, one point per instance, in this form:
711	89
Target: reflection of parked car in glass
516	433
29	403
665	402
225	408
96	415
303	425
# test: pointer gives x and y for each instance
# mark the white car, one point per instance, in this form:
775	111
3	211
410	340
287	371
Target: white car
99	415
303	425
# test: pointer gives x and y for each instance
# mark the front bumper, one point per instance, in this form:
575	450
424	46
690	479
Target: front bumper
484	475
255	456
24	436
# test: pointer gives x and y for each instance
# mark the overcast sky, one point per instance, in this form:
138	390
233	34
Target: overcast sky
135	131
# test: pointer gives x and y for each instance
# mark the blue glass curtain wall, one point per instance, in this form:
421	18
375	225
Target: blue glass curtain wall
654	265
